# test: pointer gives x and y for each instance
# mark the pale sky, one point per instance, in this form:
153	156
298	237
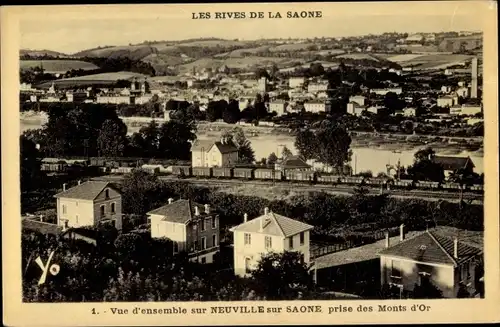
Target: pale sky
72	29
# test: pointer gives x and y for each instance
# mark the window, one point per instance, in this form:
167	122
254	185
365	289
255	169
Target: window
395	270
214	222
106	194
269	242
248	239
176	247
302	238
64	209
290	242
102	211
203	226
247	265
203	243
203	260
195	245
214	240
113	207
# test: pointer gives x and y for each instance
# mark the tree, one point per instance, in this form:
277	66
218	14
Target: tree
231	114
282	276
141	192
150	134
285	153
215	109
333	145
112	139
175	138
31	174
316	69
271	160
245	151
306	144
424	167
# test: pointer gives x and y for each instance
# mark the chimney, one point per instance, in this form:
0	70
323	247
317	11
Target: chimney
455	248
196	211
402	232
41	218
64	187
207	209
222	140
387	242
79	182
261	224
245	217
170	200
266	211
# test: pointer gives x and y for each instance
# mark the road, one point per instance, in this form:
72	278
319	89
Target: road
336	189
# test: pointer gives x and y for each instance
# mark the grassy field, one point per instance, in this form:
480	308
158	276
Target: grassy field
242	62
291	47
101	79
57	66
358	56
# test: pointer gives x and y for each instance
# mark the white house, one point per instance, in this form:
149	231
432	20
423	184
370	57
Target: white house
430	258
375	109
279	106
353	108
466	110
214	154
89	204
463	92
409	112
315	106
270	232
294	82
446	101
192	227
397	90
359	99
317	87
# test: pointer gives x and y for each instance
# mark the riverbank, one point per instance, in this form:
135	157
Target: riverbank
35	120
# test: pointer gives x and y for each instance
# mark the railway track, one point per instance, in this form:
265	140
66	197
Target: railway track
338	189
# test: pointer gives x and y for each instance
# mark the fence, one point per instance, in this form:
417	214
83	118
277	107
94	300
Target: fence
352	241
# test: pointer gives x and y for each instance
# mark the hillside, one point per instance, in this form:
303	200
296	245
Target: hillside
57	66
41	53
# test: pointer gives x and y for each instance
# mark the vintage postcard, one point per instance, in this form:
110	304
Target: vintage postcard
241	164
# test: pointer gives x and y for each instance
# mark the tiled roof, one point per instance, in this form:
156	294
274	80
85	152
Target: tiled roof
85	191
433	248
202	144
42	227
453	163
274	224
90	233
226	147
180	211
293	162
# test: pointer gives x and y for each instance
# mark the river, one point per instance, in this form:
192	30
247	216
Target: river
367	156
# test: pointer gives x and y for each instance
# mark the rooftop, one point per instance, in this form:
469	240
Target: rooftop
273	224
41	227
453	163
293	162
180	211
85	191
432	247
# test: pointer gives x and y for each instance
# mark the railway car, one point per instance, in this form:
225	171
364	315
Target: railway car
374	181
182	171
478	188
352	180
122	170
451	186
328	179
406	184
426	185
54	167
243	173
300	176
222	172
202	172
97	161
268	174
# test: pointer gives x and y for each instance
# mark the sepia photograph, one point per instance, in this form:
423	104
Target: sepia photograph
272	152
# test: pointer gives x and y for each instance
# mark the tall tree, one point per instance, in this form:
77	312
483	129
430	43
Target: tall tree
285	153
333	145
271	160
282	276
231	114
31	174
306	144
112	140
245	151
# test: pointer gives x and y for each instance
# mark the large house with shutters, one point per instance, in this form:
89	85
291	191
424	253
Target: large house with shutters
192	227
89	204
221	153
432	258
270	232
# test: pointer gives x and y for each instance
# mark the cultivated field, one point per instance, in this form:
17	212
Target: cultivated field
358	56
242	62
100	79
57	66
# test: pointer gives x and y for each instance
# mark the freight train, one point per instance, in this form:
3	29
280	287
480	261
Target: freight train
183	169
312	177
